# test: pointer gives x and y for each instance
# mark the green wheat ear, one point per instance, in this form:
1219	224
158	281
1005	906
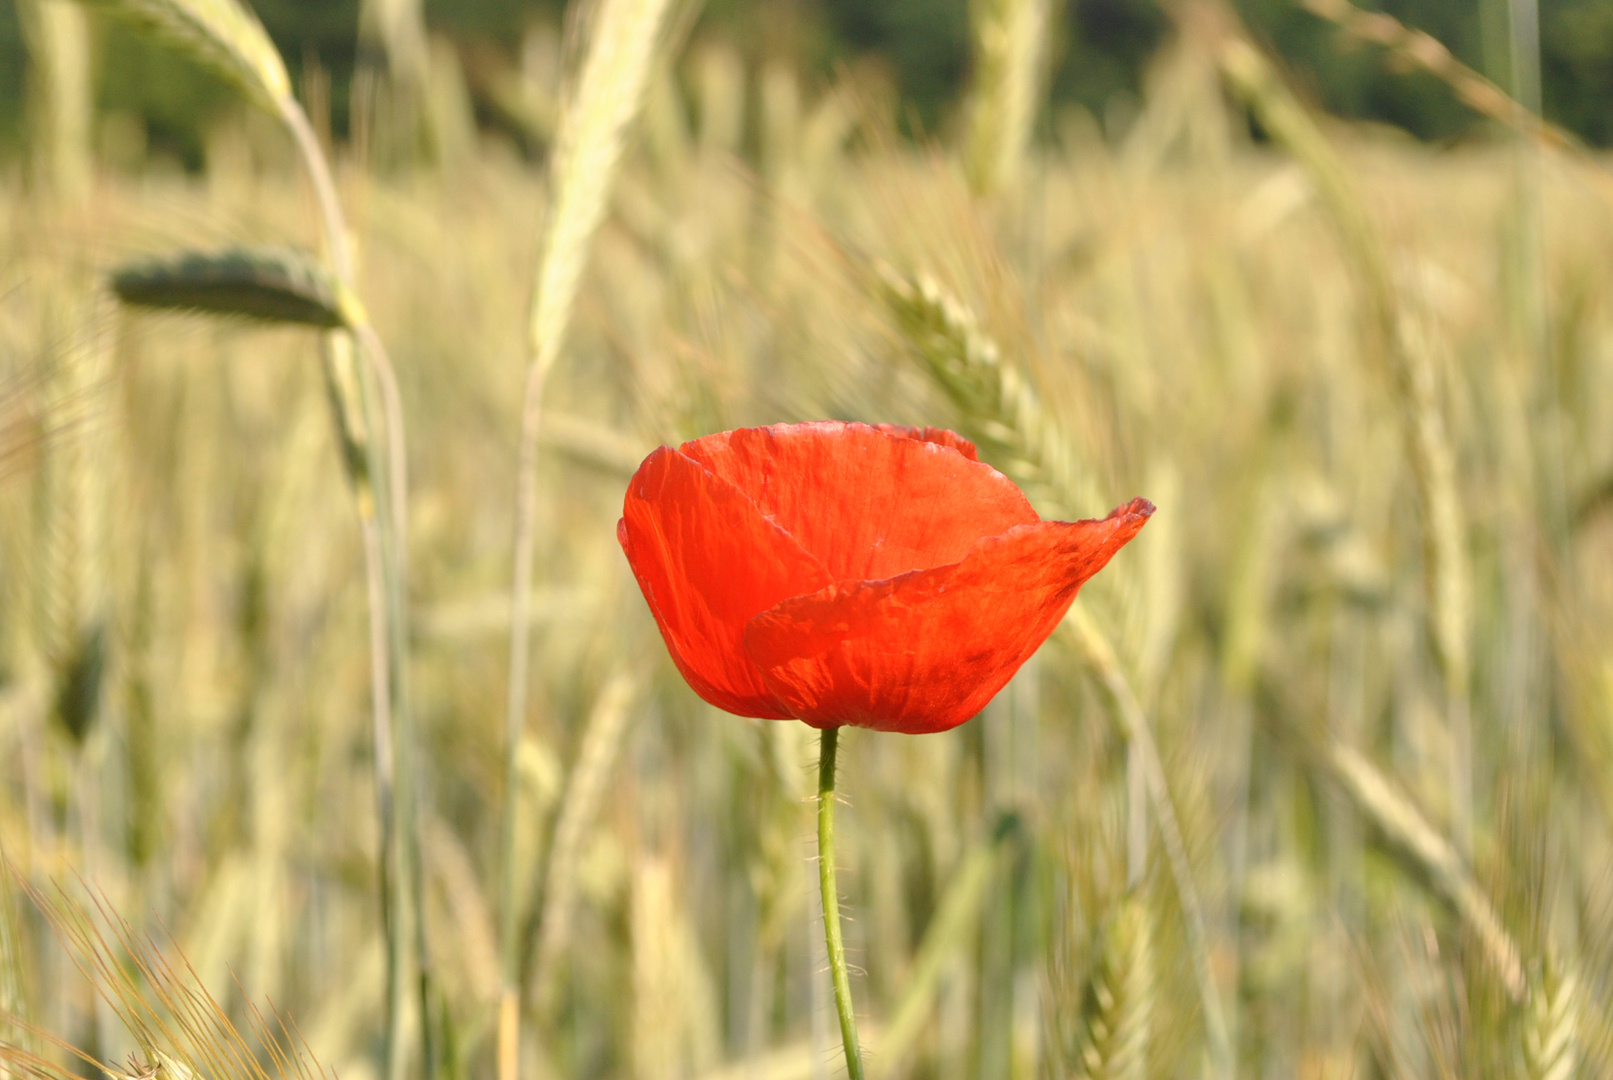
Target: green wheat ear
277	285
221	35
1551	1032
1117	1015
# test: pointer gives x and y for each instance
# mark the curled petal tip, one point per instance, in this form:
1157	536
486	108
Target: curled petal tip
1135	508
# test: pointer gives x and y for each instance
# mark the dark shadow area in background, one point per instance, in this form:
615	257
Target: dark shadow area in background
1100	54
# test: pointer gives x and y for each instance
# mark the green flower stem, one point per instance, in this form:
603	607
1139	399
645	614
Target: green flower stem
831	903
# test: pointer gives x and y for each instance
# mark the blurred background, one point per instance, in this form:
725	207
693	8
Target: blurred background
1099	51
1317	781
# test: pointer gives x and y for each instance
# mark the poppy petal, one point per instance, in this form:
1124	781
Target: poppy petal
926	651
939	435
707	561
868	504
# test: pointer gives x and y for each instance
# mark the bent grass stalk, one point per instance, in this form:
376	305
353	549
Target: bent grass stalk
1423	51
384	522
386	563
227	38
831	904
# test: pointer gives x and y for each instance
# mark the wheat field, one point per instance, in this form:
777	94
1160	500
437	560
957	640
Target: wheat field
1316	781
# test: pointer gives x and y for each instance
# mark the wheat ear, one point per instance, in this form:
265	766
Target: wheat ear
1010	47
1004	413
1551	1043
998	408
221	35
1118	1011
277	285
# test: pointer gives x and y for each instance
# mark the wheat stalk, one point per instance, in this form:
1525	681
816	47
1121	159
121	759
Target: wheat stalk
182	1032
61	90
593	132
1427	53
674	1012
72	497
225	36
1146	770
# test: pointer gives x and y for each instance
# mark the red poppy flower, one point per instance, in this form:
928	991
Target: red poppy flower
881	577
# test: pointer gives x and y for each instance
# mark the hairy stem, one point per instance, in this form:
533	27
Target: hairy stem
831	903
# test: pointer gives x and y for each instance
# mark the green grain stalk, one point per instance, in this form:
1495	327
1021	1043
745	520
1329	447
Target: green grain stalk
221	35
273	285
